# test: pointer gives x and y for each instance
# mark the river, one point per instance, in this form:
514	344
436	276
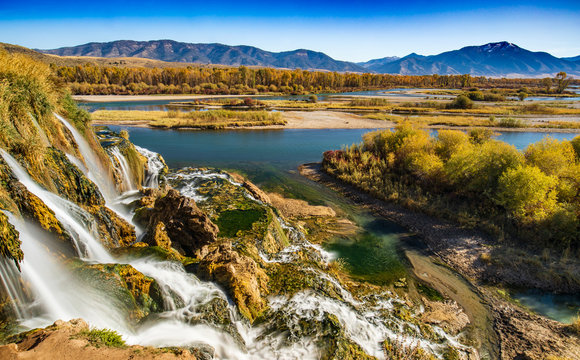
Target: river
270	159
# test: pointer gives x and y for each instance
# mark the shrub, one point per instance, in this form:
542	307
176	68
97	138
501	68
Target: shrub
461	102
104	337
313	98
511	123
527	193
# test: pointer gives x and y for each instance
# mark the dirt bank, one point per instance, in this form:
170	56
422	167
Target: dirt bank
520	335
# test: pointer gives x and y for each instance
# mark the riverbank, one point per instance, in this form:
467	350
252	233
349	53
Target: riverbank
466	251
321	119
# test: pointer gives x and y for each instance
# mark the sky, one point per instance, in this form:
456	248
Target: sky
345	30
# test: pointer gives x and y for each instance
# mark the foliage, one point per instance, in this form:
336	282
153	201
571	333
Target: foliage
531	196
527	192
461	102
104	337
108	80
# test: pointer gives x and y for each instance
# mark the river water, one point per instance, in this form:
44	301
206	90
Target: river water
270	158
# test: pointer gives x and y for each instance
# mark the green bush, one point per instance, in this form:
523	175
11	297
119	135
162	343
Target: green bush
104	337
461	102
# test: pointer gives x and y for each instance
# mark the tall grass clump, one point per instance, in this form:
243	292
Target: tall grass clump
103	337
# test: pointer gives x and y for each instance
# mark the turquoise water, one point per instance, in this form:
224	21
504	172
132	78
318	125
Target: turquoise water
564	308
270	158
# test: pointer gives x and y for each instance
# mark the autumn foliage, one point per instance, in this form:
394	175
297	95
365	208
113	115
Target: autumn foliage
531	196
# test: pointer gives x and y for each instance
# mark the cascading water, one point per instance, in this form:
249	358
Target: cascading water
154	167
95	171
59	294
78	223
122	166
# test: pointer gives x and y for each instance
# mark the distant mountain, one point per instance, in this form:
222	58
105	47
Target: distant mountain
574	58
501	59
173	51
378	62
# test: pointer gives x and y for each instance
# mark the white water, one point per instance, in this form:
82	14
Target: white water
79	224
122	166
59	294
154	166
95	170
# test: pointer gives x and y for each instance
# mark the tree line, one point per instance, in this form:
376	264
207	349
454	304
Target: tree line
94	79
531	196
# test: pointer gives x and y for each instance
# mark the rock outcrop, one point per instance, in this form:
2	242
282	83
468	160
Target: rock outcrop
243	279
178	218
73	340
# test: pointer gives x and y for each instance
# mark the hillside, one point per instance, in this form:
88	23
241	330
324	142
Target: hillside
173	51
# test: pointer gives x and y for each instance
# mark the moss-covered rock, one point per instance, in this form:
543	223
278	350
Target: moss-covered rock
245	282
69	181
139	295
9	241
114	231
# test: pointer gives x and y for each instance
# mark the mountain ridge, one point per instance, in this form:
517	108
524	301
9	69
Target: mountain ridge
213	53
496	59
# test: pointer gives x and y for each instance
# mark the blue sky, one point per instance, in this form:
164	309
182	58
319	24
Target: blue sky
346	30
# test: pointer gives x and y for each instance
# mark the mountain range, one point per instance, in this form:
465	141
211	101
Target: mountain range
500	59
173	51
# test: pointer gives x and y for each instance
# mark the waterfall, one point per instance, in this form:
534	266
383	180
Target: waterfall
80	225
154	167
9	276
95	170
56	292
123	168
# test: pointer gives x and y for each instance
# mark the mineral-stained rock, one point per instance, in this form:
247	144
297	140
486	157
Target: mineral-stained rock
189	228
157	236
239	275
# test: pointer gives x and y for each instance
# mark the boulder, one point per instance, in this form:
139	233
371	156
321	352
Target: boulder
245	282
188	228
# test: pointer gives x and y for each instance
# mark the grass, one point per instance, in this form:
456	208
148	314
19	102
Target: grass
470	121
232	221
103	337
212	119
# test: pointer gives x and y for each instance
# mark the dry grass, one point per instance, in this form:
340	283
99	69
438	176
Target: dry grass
213	119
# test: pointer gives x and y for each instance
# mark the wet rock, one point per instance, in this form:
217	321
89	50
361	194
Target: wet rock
139	294
255	191
114	231
69	182
186	225
245	282
9	241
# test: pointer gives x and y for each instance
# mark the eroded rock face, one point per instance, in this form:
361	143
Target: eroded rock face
188	228
245	282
